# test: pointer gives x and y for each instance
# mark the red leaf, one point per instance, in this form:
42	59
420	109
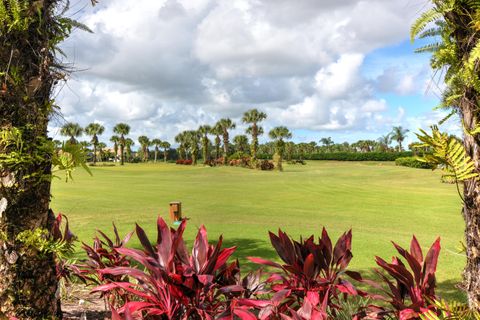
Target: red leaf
265	262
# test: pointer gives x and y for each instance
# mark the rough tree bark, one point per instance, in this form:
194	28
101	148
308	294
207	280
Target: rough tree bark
27	279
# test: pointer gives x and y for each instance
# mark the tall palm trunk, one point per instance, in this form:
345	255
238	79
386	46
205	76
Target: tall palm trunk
165	155
205	151
28	279
217	147
122	148
156	153
225	147
254	145
94	154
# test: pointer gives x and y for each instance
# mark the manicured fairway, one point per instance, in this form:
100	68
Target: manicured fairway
379	201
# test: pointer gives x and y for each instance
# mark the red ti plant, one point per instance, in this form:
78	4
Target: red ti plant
103	254
173	284
64	243
310	280
409	290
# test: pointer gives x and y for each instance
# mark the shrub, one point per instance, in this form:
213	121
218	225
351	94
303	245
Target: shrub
184	162
165	281
238	155
412	162
265	165
409	290
172	282
311	278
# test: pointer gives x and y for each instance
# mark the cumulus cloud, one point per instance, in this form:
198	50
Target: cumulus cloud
170	65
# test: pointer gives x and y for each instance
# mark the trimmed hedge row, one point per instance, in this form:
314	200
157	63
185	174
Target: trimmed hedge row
351	156
412	162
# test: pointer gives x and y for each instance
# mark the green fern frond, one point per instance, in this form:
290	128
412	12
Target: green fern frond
432	32
432	47
426	18
75	24
448	116
475	4
448	154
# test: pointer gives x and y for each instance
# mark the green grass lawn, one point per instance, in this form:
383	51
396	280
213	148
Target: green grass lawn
379	201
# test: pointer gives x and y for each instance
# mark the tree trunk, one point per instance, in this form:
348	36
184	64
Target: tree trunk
28	278
121	155
94	154
165	156
156	153
225	148
471	211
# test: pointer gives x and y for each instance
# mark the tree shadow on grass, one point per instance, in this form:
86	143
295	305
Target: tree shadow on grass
250	248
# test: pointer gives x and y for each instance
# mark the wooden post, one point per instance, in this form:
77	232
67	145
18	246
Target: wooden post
176	211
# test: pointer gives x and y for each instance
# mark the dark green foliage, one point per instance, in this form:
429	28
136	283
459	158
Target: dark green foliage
351	156
413	162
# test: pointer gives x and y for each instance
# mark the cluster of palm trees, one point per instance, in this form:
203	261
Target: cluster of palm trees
190	141
120	141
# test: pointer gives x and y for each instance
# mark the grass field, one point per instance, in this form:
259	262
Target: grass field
379	201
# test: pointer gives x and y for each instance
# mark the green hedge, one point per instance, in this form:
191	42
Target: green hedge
412	162
351	156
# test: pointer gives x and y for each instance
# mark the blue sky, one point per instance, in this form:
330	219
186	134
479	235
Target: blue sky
344	69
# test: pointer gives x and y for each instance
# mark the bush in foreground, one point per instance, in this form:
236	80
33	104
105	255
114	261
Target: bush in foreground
165	280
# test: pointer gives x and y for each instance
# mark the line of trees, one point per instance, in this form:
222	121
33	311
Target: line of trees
213	143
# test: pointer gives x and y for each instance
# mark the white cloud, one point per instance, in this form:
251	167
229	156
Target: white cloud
169	65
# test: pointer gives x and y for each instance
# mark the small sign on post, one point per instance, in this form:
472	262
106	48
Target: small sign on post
176	211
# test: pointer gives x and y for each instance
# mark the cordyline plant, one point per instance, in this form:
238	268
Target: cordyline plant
101	255
310	280
172	283
409	290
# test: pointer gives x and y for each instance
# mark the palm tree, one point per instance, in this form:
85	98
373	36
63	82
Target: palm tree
115	140
204	131
31	34
217	131
226	124
129	143
181	140
72	130
327	143
144	143
157	143
122	129
241	143
193	138
279	134
253	117
166	146
94	130
101	146
399	134
384	142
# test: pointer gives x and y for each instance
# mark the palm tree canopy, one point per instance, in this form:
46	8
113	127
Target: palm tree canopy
280	133
114	139
165	144
94	129
240	140
122	129
71	129
326	141
399	133
205	129
157	143
144	141
217	129
129	142
385	140
227	124
253	116
259	130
